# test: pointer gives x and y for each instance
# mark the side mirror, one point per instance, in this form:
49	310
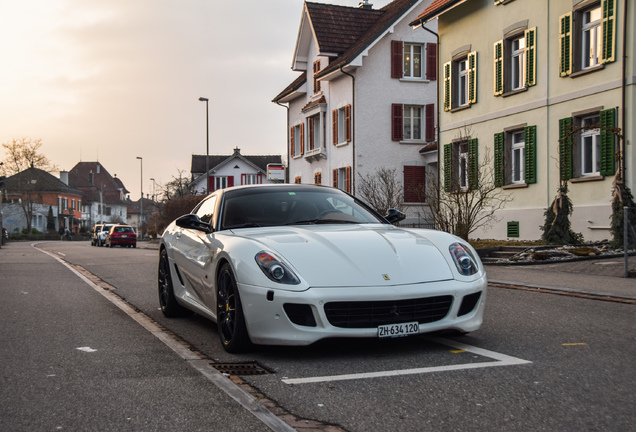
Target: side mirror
191	221
394	215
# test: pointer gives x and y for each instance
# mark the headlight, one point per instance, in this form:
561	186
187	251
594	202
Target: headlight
275	269
464	260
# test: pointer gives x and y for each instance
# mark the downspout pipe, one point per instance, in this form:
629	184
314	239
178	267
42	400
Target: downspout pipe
353	130
439	144
623	96
287	134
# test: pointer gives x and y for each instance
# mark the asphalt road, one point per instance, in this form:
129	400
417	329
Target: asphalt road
540	362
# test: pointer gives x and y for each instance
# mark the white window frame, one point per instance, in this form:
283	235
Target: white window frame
517	62
220	182
462	82
590	138
342	179
342	125
591	37
411	59
409	120
251	179
462	168
517	156
317	131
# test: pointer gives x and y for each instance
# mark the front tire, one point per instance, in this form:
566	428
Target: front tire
167	300
229	315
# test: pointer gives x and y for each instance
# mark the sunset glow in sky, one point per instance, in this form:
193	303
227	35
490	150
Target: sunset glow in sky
111	80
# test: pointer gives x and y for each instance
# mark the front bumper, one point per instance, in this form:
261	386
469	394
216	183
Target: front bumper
454	305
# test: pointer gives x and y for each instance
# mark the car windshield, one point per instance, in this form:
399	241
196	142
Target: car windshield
255	207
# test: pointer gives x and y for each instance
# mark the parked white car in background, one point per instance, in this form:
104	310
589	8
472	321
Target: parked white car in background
292	264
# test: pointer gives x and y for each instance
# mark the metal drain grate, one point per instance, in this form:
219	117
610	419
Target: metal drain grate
240	368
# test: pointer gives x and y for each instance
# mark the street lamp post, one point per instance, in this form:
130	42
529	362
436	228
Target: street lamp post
141	201
207	145
154	185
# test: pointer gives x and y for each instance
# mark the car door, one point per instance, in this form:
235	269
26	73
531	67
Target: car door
193	251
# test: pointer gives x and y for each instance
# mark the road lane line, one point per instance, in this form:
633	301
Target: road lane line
500	360
197	361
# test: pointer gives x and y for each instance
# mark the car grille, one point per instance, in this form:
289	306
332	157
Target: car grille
371	314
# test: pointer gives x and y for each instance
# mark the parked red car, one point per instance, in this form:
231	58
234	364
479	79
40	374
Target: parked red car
122	235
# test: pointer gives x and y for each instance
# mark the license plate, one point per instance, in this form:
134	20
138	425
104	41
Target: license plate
124	236
398	330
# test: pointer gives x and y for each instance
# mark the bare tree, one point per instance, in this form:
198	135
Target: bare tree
22	155
461	211
178	187
382	190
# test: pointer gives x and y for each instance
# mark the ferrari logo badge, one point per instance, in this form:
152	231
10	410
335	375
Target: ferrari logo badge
386	277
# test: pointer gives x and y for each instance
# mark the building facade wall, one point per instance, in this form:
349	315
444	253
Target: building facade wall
541	105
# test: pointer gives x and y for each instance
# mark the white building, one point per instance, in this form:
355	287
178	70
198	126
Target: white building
365	99
231	170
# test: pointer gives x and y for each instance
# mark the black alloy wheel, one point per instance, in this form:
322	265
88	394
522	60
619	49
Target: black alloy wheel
167	300
229	317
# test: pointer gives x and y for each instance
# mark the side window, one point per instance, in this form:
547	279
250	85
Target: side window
460	82
206	209
515	156
588	145
587	37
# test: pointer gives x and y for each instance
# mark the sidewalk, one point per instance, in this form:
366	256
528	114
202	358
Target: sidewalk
598	277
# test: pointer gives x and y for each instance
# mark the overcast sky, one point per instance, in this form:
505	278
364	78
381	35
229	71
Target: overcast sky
110	80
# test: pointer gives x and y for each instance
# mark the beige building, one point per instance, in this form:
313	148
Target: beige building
518	75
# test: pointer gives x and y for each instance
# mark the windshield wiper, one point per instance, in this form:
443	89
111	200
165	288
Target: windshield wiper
322	221
245	225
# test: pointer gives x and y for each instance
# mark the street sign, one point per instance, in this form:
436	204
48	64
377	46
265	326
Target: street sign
275	172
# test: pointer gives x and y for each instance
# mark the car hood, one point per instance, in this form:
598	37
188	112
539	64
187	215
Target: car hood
356	255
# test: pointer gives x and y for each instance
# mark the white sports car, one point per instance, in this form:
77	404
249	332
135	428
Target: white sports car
291	264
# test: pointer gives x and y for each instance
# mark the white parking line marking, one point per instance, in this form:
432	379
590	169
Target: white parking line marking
198	362
500	360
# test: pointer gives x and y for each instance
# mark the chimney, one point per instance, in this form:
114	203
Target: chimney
64	177
364	4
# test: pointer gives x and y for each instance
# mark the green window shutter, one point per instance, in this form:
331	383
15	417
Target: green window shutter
608	30
472	77
447	86
565	148
565	44
531	56
498	59
530	133
499	159
448	164
473	164
608	142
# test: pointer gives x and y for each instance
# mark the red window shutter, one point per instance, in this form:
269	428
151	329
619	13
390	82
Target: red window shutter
211	183
348	179
397	130
348	123
397	48
302	138
430	122
230	181
291	141
335	178
431	61
259	178
334	127
414	183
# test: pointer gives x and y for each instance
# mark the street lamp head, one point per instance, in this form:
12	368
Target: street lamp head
202	99
139	157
